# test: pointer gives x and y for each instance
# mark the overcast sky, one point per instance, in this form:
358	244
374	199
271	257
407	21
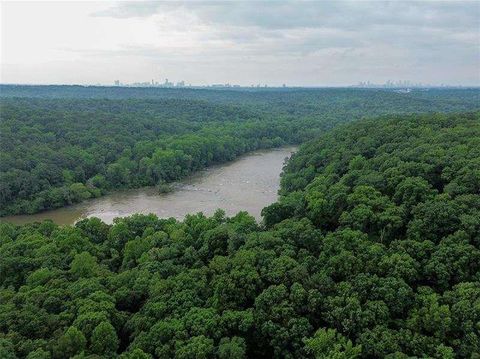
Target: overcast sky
241	42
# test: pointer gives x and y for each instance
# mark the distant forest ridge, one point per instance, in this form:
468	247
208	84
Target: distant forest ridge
228	94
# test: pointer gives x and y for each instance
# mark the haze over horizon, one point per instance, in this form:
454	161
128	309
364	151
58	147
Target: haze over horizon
242	42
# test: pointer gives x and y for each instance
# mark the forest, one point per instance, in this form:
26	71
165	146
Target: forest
64	144
371	251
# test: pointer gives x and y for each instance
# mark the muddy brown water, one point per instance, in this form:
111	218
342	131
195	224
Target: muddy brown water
247	184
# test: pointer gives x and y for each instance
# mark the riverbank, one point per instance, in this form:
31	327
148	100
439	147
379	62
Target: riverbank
248	183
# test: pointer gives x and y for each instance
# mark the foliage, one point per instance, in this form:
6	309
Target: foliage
372	251
64	144
329	344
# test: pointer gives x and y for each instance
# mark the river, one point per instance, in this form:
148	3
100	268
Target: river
249	183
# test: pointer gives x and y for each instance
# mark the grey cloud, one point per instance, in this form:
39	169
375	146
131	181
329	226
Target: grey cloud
339	24
351	38
295	14
340	14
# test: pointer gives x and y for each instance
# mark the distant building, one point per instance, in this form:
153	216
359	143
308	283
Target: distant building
220	85
168	83
117	82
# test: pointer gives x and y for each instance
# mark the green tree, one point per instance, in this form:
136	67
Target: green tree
135	354
232	348
199	347
84	265
7	349
328	344
39	354
70	343
104	339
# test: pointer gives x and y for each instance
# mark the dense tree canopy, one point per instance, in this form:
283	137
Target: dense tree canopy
64	144
373	251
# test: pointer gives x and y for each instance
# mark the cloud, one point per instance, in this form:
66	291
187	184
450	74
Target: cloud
298	42
306	27
315	14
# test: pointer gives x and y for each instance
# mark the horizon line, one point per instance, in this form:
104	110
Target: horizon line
227	86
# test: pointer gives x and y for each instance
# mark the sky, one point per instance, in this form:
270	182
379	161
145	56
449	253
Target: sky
299	43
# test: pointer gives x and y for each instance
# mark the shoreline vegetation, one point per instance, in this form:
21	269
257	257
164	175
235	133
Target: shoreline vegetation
164	187
371	251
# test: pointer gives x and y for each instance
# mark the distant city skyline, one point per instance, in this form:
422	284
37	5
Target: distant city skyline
183	84
306	44
361	84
